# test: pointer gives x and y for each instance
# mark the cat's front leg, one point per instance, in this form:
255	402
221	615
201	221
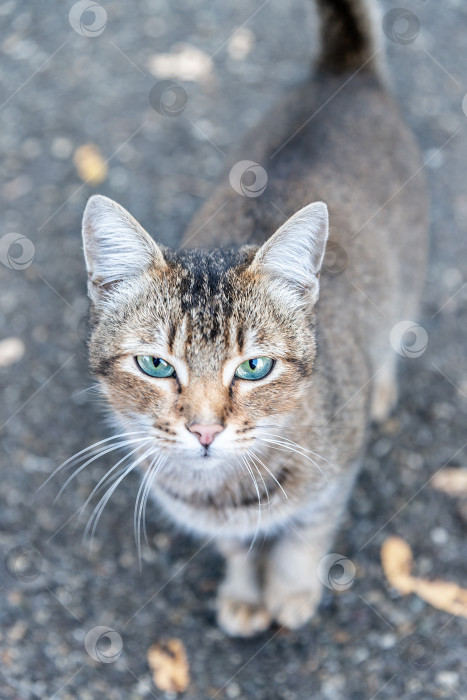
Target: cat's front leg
240	608
292	588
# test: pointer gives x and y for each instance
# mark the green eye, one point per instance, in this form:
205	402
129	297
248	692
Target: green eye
154	366
257	368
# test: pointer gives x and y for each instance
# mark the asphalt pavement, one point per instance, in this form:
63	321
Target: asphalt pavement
70	80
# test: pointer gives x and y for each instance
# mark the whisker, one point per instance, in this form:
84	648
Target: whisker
145	484
153	470
250	471
89	449
316	454
270	472
93	387
258	524
98	510
101	453
148	491
250	454
254	457
149	486
106	479
284	447
136	521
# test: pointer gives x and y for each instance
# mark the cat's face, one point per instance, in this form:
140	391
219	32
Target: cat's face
200	349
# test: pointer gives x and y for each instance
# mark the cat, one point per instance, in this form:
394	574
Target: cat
245	370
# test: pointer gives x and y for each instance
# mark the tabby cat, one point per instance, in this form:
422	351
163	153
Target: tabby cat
245	399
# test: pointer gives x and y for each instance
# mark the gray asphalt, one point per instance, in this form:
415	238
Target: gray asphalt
61	90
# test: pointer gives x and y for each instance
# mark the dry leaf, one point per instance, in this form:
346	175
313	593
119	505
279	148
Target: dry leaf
444	595
396	559
11	350
451	481
169	665
89	164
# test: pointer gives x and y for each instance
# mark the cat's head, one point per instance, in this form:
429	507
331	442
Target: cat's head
201	349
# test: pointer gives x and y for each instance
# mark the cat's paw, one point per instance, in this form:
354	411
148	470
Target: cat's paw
240	619
294	609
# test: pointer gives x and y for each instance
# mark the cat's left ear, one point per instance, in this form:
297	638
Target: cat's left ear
294	253
116	247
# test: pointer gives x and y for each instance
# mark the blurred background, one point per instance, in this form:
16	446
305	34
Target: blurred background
83	109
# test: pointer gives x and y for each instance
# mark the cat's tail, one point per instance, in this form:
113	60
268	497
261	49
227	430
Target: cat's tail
351	36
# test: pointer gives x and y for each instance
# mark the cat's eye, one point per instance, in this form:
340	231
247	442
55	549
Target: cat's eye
256	368
154	366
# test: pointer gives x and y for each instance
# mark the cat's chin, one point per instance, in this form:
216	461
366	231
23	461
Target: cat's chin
206	464
201	462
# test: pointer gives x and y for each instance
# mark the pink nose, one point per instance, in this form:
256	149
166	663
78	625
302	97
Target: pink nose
205	433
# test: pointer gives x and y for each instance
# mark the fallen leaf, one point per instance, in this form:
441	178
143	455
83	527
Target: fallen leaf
169	665
397	559
451	481
444	595
89	164
11	350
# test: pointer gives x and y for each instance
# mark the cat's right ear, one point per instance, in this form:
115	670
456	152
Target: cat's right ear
116	247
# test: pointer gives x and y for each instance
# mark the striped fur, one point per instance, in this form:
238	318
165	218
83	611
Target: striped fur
282	468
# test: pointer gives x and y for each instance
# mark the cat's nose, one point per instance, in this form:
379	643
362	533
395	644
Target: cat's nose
205	433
